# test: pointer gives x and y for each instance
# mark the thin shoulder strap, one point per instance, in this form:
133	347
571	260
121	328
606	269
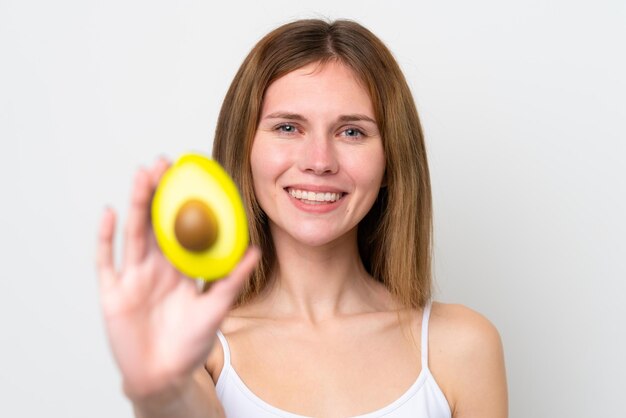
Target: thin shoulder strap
221	380
225	347
424	342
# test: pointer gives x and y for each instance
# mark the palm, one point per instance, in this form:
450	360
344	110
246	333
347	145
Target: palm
161	328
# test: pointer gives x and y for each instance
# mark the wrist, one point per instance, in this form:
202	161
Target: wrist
158	399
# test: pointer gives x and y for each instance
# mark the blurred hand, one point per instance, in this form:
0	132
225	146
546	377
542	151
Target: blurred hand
160	326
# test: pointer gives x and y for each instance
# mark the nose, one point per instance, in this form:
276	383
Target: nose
318	155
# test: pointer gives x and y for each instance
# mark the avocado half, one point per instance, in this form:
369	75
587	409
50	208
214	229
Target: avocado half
198	218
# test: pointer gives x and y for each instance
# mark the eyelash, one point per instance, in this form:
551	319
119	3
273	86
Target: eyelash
281	129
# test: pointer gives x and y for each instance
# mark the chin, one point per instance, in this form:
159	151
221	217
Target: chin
312	234
319	239
315	241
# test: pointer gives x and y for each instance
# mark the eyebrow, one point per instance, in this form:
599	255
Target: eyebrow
343	118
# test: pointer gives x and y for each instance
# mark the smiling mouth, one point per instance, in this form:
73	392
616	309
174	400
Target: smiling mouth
314	198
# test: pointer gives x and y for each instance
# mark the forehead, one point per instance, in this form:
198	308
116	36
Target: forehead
331	86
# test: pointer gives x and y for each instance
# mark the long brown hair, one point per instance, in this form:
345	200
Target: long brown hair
395	236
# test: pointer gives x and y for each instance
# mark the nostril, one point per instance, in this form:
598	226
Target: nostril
322	166
318	156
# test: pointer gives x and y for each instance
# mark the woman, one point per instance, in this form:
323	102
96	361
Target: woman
332	314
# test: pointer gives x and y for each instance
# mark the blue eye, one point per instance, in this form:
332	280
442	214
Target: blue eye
353	133
286	128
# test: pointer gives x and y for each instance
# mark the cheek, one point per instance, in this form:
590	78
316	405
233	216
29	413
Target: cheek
368	169
258	165
267	165
378	166
270	159
256	160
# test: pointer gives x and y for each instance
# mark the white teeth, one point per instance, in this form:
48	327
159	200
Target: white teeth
315	197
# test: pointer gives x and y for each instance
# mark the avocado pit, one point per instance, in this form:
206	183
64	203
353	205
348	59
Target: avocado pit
195	226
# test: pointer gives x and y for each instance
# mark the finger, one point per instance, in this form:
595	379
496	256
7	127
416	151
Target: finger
222	294
136	231
155	173
104	251
158	169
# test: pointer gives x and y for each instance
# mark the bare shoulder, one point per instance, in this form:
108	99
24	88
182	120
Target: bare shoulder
467	360
466	331
215	361
238	321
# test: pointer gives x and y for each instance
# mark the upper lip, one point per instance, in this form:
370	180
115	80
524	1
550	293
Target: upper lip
314	188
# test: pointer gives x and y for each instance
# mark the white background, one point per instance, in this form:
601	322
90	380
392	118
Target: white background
523	105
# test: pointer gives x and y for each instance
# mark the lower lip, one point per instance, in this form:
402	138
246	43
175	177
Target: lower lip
319	207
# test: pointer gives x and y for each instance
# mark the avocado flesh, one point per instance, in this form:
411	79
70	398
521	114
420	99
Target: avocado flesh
196	178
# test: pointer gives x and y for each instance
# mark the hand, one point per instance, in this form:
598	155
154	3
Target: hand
160	326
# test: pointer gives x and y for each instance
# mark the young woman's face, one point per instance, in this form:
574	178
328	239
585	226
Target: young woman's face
317	157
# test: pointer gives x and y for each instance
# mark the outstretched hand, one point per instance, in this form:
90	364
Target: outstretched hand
160	326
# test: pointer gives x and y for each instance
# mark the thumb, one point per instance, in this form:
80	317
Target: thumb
220	297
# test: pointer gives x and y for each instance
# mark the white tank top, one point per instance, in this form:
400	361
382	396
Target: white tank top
424	399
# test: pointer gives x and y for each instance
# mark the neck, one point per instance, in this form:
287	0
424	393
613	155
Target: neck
315	283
